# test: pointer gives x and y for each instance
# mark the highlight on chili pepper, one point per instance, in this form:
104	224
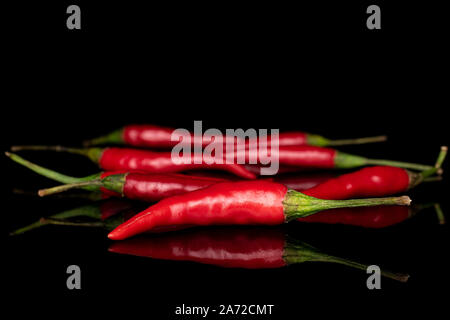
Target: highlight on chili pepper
237	203
152	136
249	248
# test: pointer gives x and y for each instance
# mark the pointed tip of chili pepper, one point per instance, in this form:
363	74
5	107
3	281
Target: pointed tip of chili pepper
114	235
8	154
122	231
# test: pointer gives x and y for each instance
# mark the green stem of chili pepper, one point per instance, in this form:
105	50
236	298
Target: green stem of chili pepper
70	223
437	167
107	224
50	173
426	175
92	153
115	137
439	213
344	161
46	172
64	187
113	183
316	140
433	179
93	196
298	205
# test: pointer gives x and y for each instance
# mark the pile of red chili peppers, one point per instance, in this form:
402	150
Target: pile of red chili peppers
186	195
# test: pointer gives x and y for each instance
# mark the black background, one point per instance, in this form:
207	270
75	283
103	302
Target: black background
313	67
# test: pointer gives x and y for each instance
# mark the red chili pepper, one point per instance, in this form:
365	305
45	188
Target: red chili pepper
132	185
122	159
237	203
375	181
161	162
249	248
316	157
152	136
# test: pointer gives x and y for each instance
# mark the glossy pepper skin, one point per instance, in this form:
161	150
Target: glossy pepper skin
140	186
126	159
113	159
315	157
375	181
236	203
156	187
224	203
152	136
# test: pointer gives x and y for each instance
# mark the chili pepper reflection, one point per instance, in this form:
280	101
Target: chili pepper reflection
373	217
249	248
107	214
